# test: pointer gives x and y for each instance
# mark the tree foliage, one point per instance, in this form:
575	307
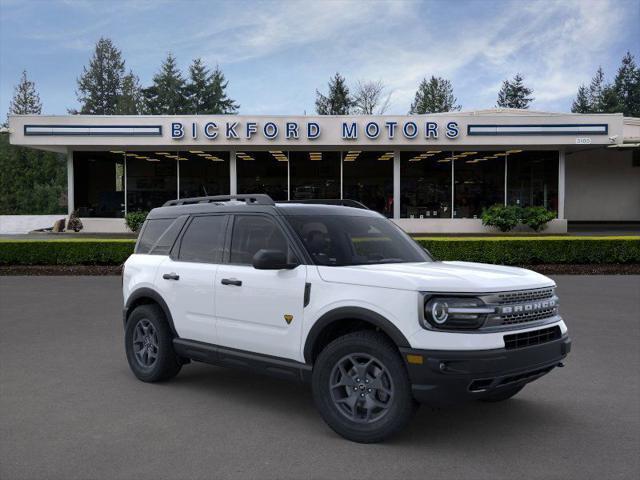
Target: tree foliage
167	95
206	91
371	98
338	100
433	96
131	100
515	94
25	99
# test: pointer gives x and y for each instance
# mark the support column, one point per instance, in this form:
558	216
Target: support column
233	174
396	184
70	183
561	177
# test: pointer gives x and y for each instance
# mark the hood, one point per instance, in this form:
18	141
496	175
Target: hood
459	277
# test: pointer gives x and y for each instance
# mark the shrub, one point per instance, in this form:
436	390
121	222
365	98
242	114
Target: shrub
504	218
134	220
65	252
537	217
75	223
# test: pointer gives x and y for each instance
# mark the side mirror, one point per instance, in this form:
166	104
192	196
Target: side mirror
271	260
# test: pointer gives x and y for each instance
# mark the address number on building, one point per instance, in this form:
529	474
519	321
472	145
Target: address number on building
583	141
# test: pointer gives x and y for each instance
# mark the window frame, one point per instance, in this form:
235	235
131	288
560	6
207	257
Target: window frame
177	246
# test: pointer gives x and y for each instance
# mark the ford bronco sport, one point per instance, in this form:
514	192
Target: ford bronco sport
338	296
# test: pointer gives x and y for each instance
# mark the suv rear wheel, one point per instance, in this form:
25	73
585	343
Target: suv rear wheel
149	345
361	387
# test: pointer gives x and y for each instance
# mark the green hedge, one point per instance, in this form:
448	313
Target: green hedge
535	250
65	252
501	250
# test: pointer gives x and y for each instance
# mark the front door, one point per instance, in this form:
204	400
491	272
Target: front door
259	310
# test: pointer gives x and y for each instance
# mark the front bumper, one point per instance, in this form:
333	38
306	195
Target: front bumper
451	376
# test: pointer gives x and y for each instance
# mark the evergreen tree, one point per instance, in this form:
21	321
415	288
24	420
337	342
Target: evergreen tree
130	101
206	92
99	86
514	94
218	100
433	96
581	104
25	99
167	95
338	101
627	86
596	91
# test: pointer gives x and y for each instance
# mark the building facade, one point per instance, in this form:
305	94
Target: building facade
429	173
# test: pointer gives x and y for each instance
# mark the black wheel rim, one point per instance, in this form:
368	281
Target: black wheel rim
361	388
145	343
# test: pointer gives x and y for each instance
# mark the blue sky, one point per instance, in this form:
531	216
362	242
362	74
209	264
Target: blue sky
276	53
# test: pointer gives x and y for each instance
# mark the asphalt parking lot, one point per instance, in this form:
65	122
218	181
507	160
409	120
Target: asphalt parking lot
71	409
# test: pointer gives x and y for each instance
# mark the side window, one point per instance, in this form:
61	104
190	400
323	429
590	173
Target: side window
204	240
151	232
252	233
168	238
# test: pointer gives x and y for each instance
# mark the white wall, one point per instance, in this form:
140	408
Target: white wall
602	185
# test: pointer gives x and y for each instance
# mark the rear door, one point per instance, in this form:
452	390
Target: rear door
260	310
186	279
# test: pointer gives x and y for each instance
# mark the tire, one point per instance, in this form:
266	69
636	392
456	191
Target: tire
368	409
147	331
502	394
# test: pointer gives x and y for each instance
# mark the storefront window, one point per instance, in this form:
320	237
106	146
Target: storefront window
425	184
203	173
263	172
99	184
478	182
314	175
532	178
151	179
368	178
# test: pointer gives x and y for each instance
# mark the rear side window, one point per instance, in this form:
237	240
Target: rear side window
203	240
168	238
151	232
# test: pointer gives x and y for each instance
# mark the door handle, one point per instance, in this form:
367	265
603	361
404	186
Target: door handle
171	276
231	281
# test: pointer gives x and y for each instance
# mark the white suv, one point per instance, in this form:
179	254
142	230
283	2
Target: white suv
338	296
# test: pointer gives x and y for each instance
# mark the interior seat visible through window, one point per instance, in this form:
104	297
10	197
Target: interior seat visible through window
252	233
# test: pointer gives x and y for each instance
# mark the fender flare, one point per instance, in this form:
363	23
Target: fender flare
145	292
352	313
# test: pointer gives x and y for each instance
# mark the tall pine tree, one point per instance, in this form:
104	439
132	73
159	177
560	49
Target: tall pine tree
627	86
167	94
100	85
338	100
130	101
582	103
433	96
25	99
514	94
206	92
219	102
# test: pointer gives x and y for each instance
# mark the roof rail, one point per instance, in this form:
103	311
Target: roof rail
253	199
345	202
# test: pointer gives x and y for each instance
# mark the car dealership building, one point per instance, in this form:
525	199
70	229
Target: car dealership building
429	173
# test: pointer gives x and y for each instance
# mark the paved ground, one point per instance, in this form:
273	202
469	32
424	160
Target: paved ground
70	408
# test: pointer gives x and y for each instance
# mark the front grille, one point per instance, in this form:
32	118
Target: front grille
516	318
517	301
534	337
521	296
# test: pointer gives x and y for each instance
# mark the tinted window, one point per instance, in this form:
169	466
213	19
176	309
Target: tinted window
253	233
168	238
151	232
204	239
338	240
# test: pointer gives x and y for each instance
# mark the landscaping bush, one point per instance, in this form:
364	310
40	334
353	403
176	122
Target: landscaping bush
537	217
65	252
504	218
134	220
535	250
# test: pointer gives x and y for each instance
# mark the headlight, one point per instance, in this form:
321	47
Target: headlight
455	312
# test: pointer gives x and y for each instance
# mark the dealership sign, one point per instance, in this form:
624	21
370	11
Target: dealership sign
292	130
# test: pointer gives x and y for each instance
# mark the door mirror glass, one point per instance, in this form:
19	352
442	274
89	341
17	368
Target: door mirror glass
265	259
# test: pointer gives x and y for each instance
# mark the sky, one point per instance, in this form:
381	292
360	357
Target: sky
275	54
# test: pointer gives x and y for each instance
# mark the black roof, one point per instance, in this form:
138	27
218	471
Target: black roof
258	203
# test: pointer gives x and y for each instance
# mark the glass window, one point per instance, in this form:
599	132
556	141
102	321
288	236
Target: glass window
263	172
368	178
425	184
479	182
99	184
151	180
204	239
315	175
203	173
252	233
339	240
167	239
532	178
151	233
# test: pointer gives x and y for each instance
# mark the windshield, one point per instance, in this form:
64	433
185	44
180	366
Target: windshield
340	240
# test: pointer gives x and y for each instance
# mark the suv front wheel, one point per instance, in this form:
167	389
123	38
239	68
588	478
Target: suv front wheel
149	345
361	387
